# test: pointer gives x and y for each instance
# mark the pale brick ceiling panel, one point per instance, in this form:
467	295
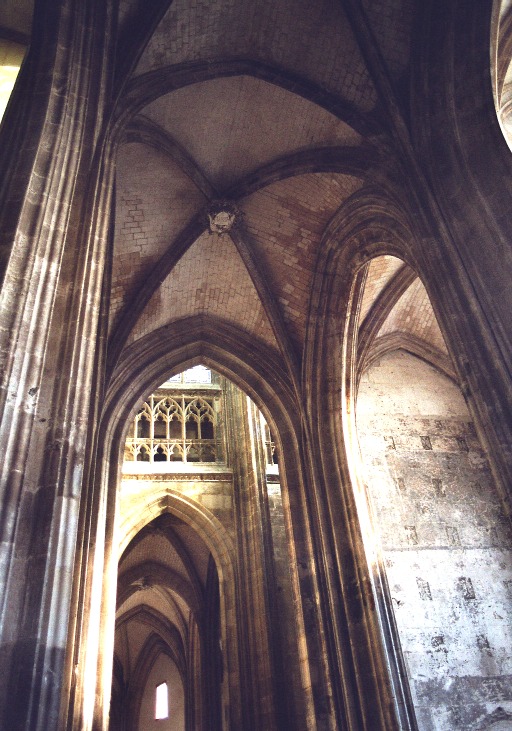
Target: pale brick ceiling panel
413	314
391	22
152	597
132	602
157	598
154	548
310	39
137	633
163	601
196	548
149	215
210	279
120	649
230	126
380	271
286	221
176	599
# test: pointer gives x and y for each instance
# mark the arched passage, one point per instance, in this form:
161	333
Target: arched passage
91	66
238	637
174	525
347	333
172	612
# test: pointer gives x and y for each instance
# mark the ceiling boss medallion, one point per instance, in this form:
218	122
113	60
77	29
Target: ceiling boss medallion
222	216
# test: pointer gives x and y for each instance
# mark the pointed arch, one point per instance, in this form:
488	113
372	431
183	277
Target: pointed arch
258	370
369	224
153	649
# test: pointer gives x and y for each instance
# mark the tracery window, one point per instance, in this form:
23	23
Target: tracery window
172	427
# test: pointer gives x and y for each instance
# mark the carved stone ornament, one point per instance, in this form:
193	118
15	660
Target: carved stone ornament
222	216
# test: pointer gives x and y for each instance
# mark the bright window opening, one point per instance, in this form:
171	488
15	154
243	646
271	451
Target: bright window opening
197	374
8	76
161	702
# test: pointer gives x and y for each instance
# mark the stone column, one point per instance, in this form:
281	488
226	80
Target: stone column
365	696
255	571
54	243
213	660
283	608
467	263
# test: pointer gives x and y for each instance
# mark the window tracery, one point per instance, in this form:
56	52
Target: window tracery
174	428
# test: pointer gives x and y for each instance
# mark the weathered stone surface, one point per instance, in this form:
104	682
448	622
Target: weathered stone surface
445	540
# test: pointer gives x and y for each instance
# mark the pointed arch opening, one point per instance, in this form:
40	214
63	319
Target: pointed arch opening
238	512
216	534
433	524
168	635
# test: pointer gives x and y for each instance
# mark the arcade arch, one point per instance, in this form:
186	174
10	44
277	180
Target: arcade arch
244	527
434	528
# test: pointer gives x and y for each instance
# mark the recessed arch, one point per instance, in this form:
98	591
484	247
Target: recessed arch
336	333
396	312
368	225
160	627
154	649
208	527
250	364
405	341
158	527
162	610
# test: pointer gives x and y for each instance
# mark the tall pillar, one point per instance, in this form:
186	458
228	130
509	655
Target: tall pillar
467	261
55	244
255	571
213	670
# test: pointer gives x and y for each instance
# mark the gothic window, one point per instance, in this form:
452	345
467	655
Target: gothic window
176	423
161	702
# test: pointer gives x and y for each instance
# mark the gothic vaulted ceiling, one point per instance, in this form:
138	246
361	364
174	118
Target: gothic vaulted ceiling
271	109
276	108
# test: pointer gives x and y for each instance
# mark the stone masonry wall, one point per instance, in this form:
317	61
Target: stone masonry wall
445	541
213	491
